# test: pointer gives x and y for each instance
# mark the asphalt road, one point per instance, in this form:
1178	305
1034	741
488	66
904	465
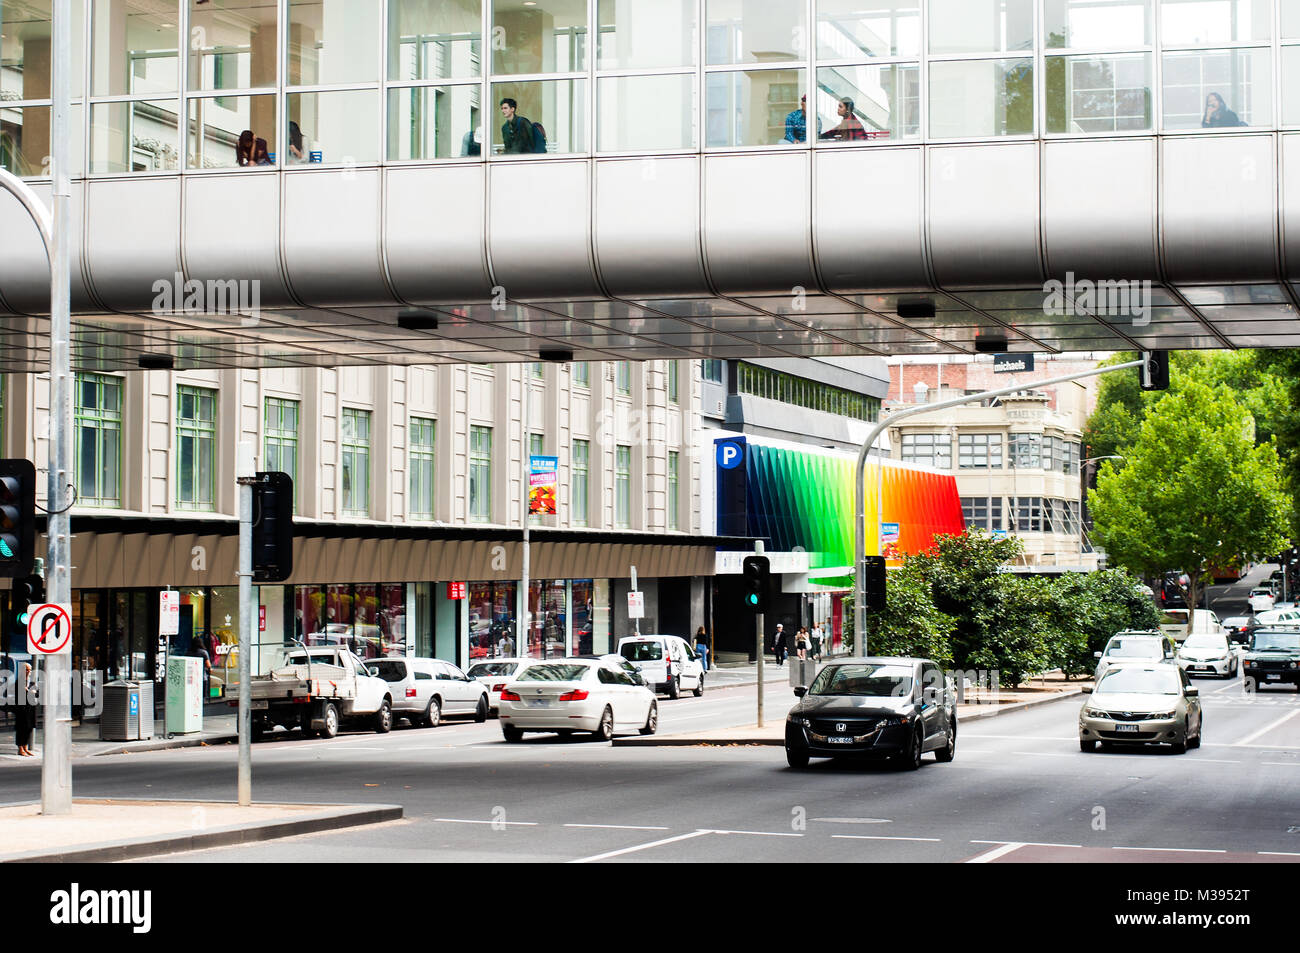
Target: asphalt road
1019	789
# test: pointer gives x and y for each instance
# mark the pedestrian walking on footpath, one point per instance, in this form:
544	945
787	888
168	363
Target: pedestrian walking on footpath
778	644
702	646
25	711
801	644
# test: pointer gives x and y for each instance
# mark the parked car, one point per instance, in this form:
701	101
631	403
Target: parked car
668	663
1208	653
1142	704
1273	658
426	689
1261	599
896	708
1273	617
1142	647
496	673
568	695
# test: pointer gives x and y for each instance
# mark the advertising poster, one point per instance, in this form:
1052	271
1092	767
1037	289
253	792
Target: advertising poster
543	484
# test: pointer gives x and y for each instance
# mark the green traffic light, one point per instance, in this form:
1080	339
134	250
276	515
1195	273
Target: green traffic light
23	617
753	598
5	549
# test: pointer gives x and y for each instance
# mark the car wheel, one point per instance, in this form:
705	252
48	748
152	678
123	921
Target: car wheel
605	730
481	712
511	733
432	714
1180	747
304	722
796	758
384	717
651	720
330	715
673	691
948	751
910	759
1088	745
699	687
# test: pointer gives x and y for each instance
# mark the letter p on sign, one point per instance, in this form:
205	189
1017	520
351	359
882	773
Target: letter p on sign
49	629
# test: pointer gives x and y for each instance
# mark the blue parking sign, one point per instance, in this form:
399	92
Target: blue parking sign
730	454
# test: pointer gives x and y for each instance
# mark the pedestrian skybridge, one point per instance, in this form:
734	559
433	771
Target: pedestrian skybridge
1039	245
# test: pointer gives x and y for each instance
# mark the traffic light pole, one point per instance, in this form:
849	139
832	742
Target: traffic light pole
758	645
246	477
860	490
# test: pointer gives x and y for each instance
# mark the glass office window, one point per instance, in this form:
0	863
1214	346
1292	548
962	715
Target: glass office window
480	474
580	475
434	39
25	49
1024	450
355	445
674	489
559	107
25	139
1027	513
981	98
435	122
1217	89
232	44
979	451
196	439
281	439
645	34
547	36
981	26
672	382
333	42
862	103
852	30
1052	450
334	127
711	370
98	414
1203	22
756	108
741	31
134	47
421	435
928	449
1089	25
982	512
645	113
231	132
134	137
582	374
623	377
622	486
1291	85
1099	94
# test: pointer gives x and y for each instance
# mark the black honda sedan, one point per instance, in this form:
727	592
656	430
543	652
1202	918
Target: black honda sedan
895	708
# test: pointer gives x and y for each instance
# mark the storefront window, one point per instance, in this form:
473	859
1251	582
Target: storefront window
546	604
224	626
491	620
309	611
581	642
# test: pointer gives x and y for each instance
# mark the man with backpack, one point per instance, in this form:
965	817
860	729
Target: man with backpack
518	135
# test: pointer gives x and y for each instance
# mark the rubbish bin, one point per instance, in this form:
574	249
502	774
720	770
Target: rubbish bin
128	711
146	709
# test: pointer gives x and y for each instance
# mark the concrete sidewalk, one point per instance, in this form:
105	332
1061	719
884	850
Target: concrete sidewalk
218	728
149	828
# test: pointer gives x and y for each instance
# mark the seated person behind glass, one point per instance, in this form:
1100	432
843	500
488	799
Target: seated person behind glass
261	155
516	131
469	146
296	153
1217	113
244	148
850	128
796	122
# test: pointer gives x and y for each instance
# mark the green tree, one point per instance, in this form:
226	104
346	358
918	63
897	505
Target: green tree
1195	491
1086	609
910	625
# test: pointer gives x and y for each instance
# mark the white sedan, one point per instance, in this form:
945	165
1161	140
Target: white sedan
496	673
1208	653
568	695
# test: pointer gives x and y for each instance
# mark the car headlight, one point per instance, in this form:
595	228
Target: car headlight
1095	713
798	720
1158	715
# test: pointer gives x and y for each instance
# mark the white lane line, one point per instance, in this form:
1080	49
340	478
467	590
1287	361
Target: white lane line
932	840
460	820
756	833
995	853
1025	843
1175	850
619	827
1045	754
1283	764
1208	761
1269	727
632	850
1277	853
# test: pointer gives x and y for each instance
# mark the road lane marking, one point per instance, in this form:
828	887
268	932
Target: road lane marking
932	840
1176	850
1278	853
756	833
1283	764
619	827
1269	727
632	850
460	820
1046	754
995	853
1028	843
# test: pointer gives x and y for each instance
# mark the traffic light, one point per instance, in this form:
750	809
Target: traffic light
1155	372
28	591
272	527
755	571
874	590
17	517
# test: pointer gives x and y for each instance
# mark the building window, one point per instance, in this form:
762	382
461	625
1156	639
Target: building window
1051	448
672	382
1024	451
1070	458
582	374
356	462
196	447
711	371
982	512
622	486
929	449
99	440
581	477
539	370
421	435
281	440
480	474
623	377
979	451
673	490
1027	513
776	385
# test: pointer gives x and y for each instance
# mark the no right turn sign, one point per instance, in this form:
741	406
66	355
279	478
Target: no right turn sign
49	629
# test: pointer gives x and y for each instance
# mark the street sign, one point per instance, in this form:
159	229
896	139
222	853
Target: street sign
730	454
261	618
1010	363
169	612
455	590
49	629
636	605
888	533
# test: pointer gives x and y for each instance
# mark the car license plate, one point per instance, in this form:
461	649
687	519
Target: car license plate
254	704
539	703
1126	728
839	740
1273	678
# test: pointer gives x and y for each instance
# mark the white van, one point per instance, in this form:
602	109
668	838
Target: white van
667	663
1173	622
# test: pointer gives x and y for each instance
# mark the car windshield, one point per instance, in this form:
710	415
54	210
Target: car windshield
324	657
1174	617
1276	642
388	671
492	668
1134	648
1203	640
878	679
555	673
1141	681
641	651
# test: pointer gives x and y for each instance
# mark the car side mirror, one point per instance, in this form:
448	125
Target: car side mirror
1086	690
1193	691
800	691
1096	655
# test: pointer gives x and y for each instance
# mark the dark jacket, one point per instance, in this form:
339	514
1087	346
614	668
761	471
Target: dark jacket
1224	117
517	135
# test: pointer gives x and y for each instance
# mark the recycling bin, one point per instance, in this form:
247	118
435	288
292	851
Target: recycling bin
128	711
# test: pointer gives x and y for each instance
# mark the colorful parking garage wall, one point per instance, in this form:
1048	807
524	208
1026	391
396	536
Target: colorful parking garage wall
801	499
